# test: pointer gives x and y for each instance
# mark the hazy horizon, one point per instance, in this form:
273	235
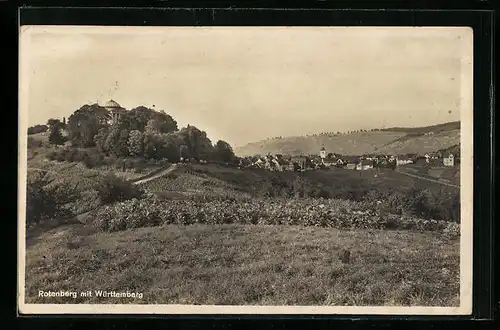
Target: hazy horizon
243	85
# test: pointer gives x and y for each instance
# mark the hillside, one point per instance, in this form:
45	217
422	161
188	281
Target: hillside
419	140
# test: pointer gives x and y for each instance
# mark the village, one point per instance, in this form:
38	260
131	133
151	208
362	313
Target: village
328	160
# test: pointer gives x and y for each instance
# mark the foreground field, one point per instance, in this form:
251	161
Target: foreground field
246	265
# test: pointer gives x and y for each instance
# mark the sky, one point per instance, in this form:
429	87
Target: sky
245	84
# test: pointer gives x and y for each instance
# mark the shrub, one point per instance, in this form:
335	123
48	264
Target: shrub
33	143
47	201
52	155
452	230
277	211
113	189
88	161
60	156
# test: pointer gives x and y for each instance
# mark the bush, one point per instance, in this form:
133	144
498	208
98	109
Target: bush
278	211
60	156
90	158
88	161
113	189
52	155
33	143
46	201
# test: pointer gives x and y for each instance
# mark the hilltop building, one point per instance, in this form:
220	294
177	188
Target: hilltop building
115	111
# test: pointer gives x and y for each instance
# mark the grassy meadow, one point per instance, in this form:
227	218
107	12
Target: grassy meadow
246	265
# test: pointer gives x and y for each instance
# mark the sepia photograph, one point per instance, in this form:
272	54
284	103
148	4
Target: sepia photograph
258	170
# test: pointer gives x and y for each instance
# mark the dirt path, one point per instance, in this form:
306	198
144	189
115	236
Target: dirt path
427	179
161	173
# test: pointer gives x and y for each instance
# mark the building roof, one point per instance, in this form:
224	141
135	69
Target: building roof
351	159
112	104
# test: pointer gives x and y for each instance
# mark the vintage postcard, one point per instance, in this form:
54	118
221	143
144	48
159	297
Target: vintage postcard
245	170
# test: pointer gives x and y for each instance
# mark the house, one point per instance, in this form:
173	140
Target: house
291	166
279	163
282	162
351	162
364	164
403	160
350	166
330	160
412	157
269	163
449	160
259	163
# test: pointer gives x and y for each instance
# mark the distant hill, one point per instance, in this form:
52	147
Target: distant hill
455	125
396	140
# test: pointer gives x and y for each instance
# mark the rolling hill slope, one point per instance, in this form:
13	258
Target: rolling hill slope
396	140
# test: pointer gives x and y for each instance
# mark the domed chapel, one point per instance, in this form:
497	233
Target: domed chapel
115	110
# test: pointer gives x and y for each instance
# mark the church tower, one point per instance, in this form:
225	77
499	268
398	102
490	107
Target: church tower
322	153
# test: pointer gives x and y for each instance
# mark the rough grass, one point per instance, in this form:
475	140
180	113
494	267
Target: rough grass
246	265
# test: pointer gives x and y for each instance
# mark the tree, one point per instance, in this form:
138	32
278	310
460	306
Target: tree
135	143
223	151
167	124
153	126
120	147
100	140
85	123
55	135
170	147
197	142
141	118
37	129
150	143
111	139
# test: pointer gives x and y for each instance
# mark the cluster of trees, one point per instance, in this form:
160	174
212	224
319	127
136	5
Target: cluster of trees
37	129
140	132
338	133
55	131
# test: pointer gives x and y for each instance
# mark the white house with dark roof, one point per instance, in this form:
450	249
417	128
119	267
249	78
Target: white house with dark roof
403	160
364	164
449	160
